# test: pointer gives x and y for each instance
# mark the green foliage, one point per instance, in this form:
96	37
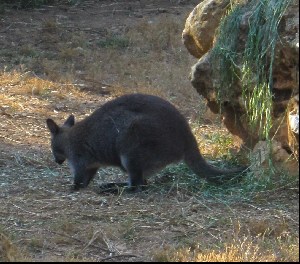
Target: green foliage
113	42
220	139
258	61
249	186
225	54
253	65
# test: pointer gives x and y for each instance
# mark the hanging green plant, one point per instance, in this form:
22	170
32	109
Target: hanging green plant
253	65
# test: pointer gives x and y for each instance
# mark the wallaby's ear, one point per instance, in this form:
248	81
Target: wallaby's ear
70	121
53	127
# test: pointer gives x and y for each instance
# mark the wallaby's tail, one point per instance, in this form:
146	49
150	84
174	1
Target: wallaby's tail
199	166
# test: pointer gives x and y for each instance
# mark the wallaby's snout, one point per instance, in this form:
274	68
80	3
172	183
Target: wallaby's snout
59	161
58	153
59	138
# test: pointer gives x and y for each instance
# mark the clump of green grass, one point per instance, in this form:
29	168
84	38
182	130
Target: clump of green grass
246	187
114	42
258	62
253	65
224	52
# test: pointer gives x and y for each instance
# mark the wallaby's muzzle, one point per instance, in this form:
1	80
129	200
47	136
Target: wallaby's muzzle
59	161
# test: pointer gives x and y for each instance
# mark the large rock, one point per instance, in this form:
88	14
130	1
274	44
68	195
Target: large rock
199	37
199	31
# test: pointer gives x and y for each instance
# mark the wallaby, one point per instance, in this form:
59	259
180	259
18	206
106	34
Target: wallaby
139	133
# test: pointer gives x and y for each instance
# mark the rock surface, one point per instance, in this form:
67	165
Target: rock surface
199	38
199	31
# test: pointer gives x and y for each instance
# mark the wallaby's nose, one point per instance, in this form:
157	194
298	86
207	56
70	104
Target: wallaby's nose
59	161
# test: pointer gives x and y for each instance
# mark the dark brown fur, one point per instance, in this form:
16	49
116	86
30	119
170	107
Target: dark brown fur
139	133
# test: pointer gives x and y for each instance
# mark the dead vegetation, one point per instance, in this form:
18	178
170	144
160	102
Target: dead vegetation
53	65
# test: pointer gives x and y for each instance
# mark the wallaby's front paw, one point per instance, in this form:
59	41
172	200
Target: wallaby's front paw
75	188
137	189
111	187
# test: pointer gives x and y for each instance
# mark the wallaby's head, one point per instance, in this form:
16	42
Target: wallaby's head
58	138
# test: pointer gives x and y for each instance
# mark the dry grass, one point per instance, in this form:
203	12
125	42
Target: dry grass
239	251
26	83
60	68
262	242
7	250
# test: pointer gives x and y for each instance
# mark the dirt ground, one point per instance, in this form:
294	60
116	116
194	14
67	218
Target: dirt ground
42	220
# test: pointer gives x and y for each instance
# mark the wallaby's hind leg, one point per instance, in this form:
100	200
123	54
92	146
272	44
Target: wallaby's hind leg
136	180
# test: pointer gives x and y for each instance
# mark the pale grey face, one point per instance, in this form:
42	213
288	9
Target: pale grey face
57	150
58	154
57	138
82	170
